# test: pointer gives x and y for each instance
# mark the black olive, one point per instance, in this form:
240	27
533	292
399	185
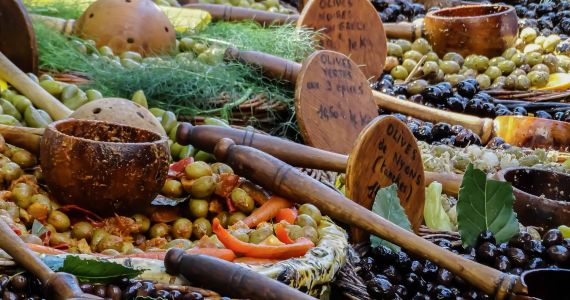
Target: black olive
544	8
421	297
500	106
368	266
99	290
36	286
380	288
131	291
403	261
387	78
424	133
488	110
193	296
114	292
456	129
416	266
448	141
552	237
441	130
9	296
545	23
536	263
384	254
446	89
400	117
441	292
401	290
388	91
377	85
502	263
558	254
467	137
520	111
495	143
534	247
486	253
558	115
4	280
486	236
391	273
519	239
471	295
411	281
474	106
428	288
466	89
161	294
19	283
417	98
87	288
444	277
517	257
565	24
444	243
400	90
433	94
456	104
542	114
176	295
430	270
503	112
516	271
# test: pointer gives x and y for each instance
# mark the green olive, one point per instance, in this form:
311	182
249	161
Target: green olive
22	194
260	234
395	50
496	60
132	55
24	158
311	233
21	103
421	45
409	64
203	187
172	188
143	223
305	220
404	44
312	211
182	228
179	243
528	35
499	82
97	236
242	201
510	82
551	61
453	56
454	79
57	238
241	235
399	72
236	217
59	220
11	171
432	56
53	87
198	208
38	211
201	227
484	81
449	66
519	59
220	168
522	83
538	78
110	242
69	91
41	199
223	217
413	54
93	95
430	67
295	231
533	58
126	247
541	67
82	230
508	53
507	66
493	72
197	169
158	230
416	86
551	42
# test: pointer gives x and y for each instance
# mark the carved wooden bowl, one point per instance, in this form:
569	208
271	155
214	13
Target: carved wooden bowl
472	29
104	167
542	196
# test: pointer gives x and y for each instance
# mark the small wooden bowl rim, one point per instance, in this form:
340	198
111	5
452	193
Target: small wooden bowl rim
501	177
435	14
54	127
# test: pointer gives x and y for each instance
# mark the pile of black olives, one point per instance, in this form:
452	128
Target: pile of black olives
549	17
399	10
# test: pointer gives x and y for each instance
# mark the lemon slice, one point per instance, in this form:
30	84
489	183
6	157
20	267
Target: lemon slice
557	82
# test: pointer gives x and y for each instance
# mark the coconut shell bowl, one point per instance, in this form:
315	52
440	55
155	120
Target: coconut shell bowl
542	196
103	167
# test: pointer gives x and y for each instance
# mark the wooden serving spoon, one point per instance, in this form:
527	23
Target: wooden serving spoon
57	286
473	29
515	130
288	182
228	278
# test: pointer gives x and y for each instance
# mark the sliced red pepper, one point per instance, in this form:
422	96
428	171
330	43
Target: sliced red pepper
299	248
282	235
286	214
231	207
178	167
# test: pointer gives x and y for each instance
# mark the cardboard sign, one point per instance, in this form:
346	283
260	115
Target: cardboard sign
333	101
386	152
351	27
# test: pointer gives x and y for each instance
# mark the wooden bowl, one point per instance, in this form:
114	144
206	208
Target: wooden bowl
104	167
542	196
472	29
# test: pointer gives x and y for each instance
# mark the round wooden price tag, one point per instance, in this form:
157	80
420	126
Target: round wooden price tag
18	42
333	101
351	27
386	152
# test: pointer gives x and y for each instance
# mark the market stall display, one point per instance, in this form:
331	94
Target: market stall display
441	177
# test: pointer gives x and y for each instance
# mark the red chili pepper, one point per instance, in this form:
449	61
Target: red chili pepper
178	167
286	214
282	235
231	207
299	248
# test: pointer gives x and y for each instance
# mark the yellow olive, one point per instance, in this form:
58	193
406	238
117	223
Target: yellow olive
38	211
220	168
159	230
11	171
143	222
201	227
203	187
59	220
242	201
97	236
22	195
305	220
197	169
24	159
110	242
82	230
312	211
172	188
58	238
182	229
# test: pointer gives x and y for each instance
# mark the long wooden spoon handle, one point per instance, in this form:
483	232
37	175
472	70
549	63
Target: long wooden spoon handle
450	182
404	30
61	25
288	182
228	278
481	126
232	13
39	97
23	137
272	66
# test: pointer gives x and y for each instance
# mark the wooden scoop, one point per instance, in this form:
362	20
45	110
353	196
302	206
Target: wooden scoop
515	130
290	183
57	286
473	29
228	278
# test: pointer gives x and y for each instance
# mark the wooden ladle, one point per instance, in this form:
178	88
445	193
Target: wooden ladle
57	286
472	29
515	130
288	182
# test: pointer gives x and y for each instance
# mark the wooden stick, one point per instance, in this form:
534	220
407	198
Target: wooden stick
288	182
231	13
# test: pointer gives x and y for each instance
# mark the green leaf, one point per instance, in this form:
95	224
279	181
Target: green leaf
387	205
99	271
485	205
434	215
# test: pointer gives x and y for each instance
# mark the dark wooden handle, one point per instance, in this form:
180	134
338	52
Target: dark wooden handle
228	278
450	182
205	137
290	183
39	97
61	25
481	126
272	66
404	30
231	13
